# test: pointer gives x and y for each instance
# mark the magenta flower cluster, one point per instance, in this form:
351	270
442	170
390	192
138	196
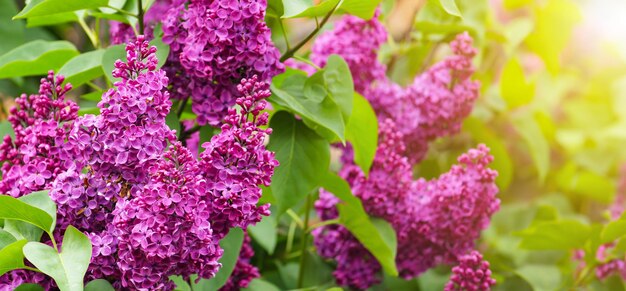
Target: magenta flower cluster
30	162
433	106
214	44
472	274
40	122
436	221
151	209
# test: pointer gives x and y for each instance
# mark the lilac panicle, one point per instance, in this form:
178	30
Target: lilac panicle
471	274
434	105
235	162
32	160
215	44
421	212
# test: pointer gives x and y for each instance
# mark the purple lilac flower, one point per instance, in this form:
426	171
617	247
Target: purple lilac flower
214	44
357	41
41	122
244	271
471	274
421	212
235	162
433	106
165	229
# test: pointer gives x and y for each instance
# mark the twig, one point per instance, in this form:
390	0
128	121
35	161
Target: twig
289	53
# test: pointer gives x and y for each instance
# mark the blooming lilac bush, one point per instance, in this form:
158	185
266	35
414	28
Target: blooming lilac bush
265	144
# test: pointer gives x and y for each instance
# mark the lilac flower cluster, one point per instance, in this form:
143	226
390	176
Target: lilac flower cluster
215	44
472	274
436	221
244	272
32	160
433	106
150	208
357	41
235	162
40	122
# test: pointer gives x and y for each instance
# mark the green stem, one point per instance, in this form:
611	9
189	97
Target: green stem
93	86
121	11
323	223
94	40
185	134
304	239
181	107
190	283
290	236
282	27
140	16
54	242
289	53
295	218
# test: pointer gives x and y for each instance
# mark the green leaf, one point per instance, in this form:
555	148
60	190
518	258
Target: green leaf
613	230
529	129
6	129
450	7
67	268
83	68
181	284
173	123
88	110
566	234
232	247
28	231
302	154
18	210
324	100
163	50
36	58
376	235
514	87
52	19
261	285
6	238
554	23
265	233
95	96
12	257
49	7
364	9
12	31
112	54
29	287
541	277
99	285
305	8
362	133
